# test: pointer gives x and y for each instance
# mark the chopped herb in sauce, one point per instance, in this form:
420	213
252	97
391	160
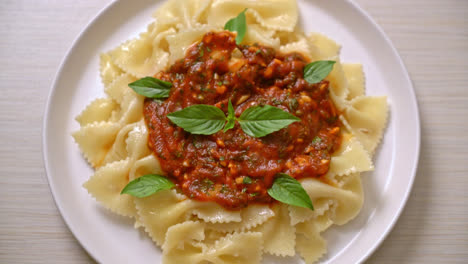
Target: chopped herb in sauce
247	180
293	104
316	140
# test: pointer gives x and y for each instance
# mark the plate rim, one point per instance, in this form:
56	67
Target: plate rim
412	92
45	127
52	93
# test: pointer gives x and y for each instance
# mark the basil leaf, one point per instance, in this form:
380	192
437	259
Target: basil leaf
239	25
151	87
199	119
231	119
259	121
147	185
288	190
317	71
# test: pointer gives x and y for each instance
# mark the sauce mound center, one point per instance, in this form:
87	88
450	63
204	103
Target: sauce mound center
233	168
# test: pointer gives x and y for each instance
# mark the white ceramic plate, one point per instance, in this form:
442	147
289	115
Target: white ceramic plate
112	239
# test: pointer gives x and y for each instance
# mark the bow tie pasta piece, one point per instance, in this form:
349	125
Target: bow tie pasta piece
118	151
182	40
279	236
107	183
259	34
143	56
323	47
302	46
348	199
118	88
232	248
355	76
213	213
338	85
349	158
310	245
95	140
146	165
166	208
183	13
245	247
160	211
137	140
321	207
130	109
271	14
108	70
251	216
326	204
185	243
99	110
366	117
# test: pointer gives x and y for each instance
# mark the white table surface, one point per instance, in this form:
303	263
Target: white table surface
431	36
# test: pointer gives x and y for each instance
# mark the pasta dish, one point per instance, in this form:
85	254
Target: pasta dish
227	133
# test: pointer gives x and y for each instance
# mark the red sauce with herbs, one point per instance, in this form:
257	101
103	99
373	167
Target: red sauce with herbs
233	168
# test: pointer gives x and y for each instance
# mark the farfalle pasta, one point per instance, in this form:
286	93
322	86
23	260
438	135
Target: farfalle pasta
113	138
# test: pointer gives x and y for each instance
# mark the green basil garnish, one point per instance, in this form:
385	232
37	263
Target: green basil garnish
231	118
239	25
259	121
288	190
151	87
317	71
256	121
199	119
147	185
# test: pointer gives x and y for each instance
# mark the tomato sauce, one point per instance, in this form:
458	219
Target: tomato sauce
233	168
